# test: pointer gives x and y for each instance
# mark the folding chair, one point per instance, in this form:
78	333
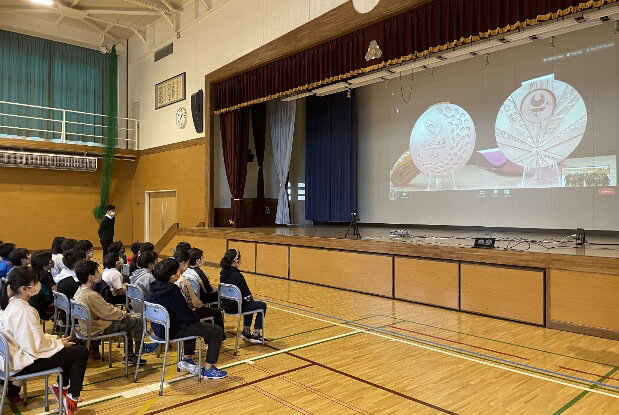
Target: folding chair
80	319
157	314
5	376
232	292
61	303
134	302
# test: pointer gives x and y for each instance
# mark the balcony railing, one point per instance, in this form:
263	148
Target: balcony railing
35	122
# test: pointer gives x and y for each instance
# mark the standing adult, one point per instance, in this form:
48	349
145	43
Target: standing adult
106	228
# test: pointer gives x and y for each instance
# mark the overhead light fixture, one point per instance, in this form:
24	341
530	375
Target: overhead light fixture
368	77
331	89
298	96
43	2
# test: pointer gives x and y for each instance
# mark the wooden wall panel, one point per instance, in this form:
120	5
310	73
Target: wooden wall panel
426	281
354	271
588	299
39	204
182	168
214	249
512	293
248	254
272	260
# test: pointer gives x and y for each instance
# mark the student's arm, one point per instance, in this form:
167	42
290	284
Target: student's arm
242	284
29	334
181	311
102	225
103	310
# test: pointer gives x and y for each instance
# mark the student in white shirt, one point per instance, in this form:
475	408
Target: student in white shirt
57	255
69	259
112	264
30	349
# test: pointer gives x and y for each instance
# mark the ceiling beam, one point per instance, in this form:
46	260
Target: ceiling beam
60	18
154	6
124	26
127	12
103	32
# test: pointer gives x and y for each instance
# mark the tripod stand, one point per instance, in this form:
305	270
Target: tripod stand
354	226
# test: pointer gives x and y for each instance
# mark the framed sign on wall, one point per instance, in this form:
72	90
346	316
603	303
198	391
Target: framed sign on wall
170	91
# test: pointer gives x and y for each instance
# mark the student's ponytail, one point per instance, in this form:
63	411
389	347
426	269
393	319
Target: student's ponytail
4	299
230	257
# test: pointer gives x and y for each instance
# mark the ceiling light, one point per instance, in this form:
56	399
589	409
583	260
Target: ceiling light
43	2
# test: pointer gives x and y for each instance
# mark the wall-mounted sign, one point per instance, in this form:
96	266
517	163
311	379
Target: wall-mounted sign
170	91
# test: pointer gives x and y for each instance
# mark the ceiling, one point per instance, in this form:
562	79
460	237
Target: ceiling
92	23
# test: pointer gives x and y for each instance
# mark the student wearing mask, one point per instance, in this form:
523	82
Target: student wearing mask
196	259
86	246
5	264
30	349
67	279
112	265
19	257
119	248
41	263
143	276
106	228
145	246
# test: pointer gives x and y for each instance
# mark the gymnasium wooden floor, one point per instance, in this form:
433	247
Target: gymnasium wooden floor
337	352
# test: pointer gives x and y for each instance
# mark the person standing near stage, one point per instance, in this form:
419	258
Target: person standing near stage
106	228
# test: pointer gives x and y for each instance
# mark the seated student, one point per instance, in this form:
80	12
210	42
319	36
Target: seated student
146	246
194	272
41	263
106	318
184	322
67	245
143	276
19	257
135	248
119	248
30	349
5	264
182	246
192	299
86	246
68	283
230	274
57	255
113	278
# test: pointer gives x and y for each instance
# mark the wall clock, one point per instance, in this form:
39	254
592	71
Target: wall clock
364	6
181	117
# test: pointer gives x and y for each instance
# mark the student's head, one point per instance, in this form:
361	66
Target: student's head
182	258
183	246
112	260
116	247
68	244
86	246
196	257
110	210
147	259
57	245
232	258
165	269
86	271
41	261
70	258
135	247
19	257
24	282
146	246
6	249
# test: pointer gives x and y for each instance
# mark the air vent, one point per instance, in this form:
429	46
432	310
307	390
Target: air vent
47	161
164	51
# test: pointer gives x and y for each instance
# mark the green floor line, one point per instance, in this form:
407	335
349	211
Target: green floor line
503	342
14	408
584	393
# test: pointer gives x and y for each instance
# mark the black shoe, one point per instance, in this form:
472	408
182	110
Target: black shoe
133	360
256	339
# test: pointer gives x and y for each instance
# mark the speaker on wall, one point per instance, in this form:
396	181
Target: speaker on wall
197	110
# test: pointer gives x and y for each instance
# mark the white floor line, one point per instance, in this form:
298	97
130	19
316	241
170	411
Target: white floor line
509	369
131	393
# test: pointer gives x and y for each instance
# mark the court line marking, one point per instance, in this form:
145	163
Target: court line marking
458	356
582	394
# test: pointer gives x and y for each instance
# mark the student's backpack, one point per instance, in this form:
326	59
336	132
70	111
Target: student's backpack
106	292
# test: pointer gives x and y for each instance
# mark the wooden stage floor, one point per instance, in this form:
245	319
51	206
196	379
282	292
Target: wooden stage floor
337	352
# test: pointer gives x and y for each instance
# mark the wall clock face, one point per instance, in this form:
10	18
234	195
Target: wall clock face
364	6
181	117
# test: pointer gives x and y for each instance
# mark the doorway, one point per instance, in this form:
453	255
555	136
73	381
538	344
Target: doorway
160	212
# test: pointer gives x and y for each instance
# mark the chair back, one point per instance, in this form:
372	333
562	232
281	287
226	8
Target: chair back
135	296
61	302
157	314
80	314
4	354
126	271
230	292
195	286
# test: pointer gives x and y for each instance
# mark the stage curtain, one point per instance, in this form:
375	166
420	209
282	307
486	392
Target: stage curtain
330	159
234	127
259	127
282	134
429	28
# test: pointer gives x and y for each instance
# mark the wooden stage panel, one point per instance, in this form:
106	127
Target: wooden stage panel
588	299
349	270
248	254
513	293
272	260
426	281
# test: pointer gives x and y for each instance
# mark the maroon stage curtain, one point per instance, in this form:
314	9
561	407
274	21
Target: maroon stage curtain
259	126
431	27
234	127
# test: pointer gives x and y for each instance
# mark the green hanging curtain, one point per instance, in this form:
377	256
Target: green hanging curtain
110	133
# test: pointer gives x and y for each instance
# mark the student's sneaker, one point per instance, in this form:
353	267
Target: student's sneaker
188	365
214	373
246	336
256	339
70	403
150	347
55	390
132	359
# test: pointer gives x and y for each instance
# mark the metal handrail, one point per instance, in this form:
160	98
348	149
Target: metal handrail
62	109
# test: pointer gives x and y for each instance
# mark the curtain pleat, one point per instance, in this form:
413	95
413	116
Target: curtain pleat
259	126
282	134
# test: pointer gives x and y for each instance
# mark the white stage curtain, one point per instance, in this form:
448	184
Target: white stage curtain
282	134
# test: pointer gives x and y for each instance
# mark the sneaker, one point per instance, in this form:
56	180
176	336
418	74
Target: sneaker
256	339
214	373
132	359
188	365
95	354
150	347
246	336
70	404
55	390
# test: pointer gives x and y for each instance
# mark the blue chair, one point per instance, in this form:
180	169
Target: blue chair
134	303
195	286
5	376
61	303
232	292
125	271
157	314
81	319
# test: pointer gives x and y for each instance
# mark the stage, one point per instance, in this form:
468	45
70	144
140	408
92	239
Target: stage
535	278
